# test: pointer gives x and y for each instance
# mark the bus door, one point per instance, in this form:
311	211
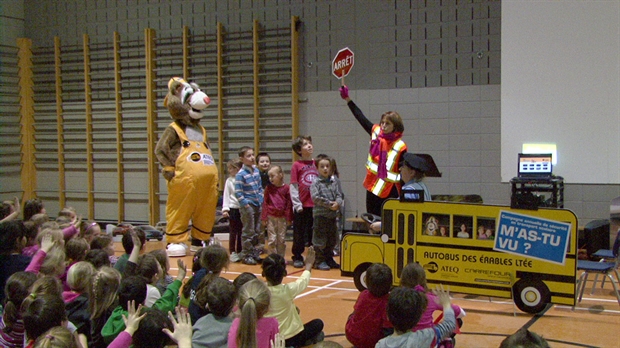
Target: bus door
404	233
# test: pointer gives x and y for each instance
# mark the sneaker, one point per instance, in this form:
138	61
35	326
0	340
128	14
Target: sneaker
323	266
176	249
234	257
333	264
248	260
197	244
298	264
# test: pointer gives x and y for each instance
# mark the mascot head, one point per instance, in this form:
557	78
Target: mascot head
185	101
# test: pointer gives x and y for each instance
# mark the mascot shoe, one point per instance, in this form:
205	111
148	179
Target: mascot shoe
176	249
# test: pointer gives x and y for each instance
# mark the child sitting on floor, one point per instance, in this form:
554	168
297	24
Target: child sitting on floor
212	329
252	329
369	323
283	308
404	309
414	276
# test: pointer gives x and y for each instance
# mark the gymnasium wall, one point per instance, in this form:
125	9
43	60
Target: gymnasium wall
436	63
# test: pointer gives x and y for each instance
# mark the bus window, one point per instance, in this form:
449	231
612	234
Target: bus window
486	228
463	226
432	223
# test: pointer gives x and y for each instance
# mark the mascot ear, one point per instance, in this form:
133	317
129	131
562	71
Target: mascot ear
173	85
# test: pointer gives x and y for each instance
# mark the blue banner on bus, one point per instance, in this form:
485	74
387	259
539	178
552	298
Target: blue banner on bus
533	237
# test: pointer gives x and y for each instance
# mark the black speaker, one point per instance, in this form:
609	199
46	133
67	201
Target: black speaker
596	236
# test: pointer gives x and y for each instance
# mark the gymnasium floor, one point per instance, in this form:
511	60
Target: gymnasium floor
595	322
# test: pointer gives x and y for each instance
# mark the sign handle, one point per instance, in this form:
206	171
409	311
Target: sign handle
342	79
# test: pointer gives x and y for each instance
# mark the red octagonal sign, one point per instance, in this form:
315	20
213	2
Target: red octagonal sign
342	63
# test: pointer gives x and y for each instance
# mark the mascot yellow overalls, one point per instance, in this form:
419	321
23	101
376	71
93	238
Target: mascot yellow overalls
189	167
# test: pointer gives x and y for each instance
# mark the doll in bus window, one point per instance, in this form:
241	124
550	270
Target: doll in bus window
431	226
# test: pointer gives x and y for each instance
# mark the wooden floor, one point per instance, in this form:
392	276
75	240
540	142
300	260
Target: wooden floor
595	322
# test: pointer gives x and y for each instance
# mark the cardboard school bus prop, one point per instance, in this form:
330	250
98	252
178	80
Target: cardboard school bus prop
474	249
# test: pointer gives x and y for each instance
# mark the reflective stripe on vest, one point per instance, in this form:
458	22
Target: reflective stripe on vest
393	175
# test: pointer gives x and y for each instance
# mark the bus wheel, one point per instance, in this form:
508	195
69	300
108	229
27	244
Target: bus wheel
531	296
359	276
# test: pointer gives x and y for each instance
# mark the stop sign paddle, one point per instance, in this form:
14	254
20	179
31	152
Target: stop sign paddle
342	64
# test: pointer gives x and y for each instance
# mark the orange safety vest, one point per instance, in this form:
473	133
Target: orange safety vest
372	183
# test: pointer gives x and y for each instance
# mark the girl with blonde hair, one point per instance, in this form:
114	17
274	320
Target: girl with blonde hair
252	329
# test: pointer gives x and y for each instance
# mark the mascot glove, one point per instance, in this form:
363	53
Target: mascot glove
344	92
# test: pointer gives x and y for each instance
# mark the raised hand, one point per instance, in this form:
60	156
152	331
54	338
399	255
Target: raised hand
182	334
344	92
133	318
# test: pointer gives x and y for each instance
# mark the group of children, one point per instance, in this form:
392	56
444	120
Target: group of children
256	199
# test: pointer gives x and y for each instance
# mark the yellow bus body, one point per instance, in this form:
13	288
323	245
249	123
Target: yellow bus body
466	265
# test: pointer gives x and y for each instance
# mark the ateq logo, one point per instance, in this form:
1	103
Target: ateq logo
431	267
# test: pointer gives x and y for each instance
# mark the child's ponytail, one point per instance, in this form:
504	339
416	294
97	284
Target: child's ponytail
104	290
254	298
17	288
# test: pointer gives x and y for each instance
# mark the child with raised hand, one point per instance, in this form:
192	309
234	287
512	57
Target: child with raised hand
212	330
327	201
128	245
252	329
133	288
132	323
214	259
303	173
404	309
277	212
249	191
12	325
369	322
282	305
10	210
230	209
414	276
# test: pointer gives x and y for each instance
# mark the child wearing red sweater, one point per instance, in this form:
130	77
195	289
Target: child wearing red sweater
369	322
277	212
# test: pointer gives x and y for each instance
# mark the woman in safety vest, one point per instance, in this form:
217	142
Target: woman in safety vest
386	150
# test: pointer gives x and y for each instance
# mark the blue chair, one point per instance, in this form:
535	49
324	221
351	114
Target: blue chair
609	263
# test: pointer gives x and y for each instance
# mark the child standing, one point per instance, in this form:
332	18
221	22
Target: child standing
230	209
250	195
404	309
327	201
277	211
263	162
251	329
369	322
303	173
282	306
